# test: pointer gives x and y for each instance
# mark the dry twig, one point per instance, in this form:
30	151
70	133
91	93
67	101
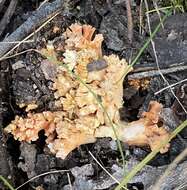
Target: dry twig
41	15
153	72
129	20
108	173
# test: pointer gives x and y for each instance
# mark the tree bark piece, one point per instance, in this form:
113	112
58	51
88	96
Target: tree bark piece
155	72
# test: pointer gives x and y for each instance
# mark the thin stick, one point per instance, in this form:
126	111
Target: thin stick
45	1
16	42
182	186
41	15
129	20
44	24
141	17
152	73
19	53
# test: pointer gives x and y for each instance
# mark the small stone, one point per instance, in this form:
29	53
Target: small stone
18	65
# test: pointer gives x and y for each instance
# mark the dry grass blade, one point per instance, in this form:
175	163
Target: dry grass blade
16	42
170	86
69	181
19	53
182	186
45	1
29	36
44	14
118	182
158	12
43	174
141	17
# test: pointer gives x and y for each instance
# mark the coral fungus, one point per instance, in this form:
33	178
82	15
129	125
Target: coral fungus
81	118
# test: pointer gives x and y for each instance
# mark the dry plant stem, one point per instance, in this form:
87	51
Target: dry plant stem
171	167
41	175
182	186
45	1
7	16
171	86
130	22
156	59
69	181
19	53
6	56
157	10
152	73
105	169
141	17
39	16
28	41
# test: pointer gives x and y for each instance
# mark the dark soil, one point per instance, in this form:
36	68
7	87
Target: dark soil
22	81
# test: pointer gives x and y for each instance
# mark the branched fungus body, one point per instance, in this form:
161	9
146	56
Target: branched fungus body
82	118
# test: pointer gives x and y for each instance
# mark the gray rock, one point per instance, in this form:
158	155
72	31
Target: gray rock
113	27
171	42
147	176
28	153
18	65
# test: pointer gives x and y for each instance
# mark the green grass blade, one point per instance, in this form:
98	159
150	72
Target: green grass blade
180	7
159	9
149	157
146	44
7	184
